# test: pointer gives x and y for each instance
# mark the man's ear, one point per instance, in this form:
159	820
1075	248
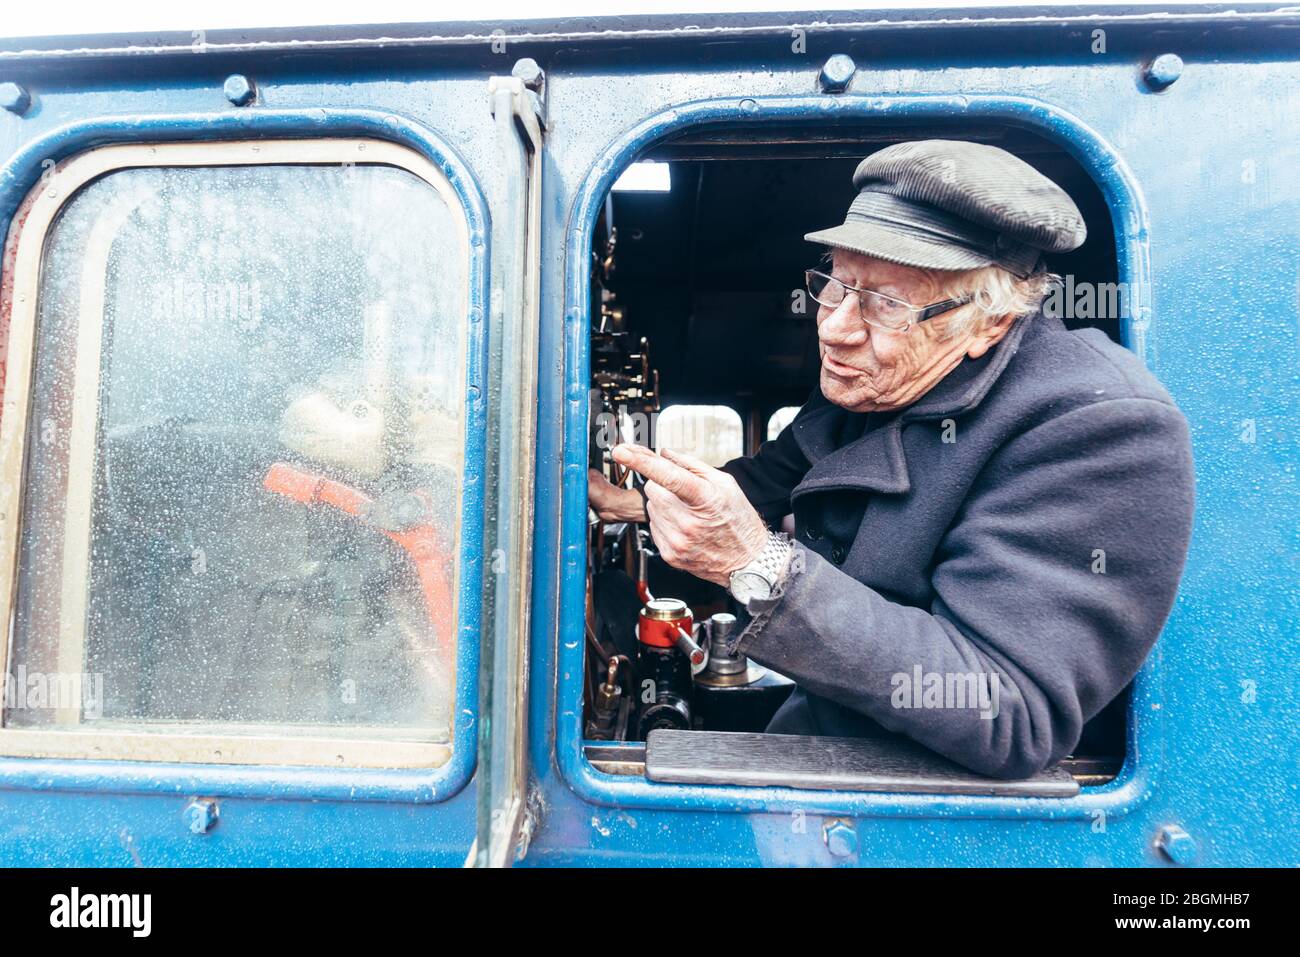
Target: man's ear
991	332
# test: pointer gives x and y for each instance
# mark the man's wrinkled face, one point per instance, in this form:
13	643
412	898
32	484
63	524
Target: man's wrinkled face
868	369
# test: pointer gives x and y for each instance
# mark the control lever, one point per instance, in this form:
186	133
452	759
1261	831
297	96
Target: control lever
687	646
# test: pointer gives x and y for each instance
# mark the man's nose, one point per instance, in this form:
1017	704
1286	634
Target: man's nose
844	325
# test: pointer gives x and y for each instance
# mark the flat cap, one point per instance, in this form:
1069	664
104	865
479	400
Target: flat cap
950	204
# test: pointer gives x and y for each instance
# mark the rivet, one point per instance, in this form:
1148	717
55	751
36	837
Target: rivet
202	815
836	73
238	89
840	838
1177	845
15	98
1163	71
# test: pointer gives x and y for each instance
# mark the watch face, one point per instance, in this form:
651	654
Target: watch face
746	586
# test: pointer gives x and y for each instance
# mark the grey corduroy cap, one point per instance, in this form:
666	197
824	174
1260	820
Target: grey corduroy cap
950	204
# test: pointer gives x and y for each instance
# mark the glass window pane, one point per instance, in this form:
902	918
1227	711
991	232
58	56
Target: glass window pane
709	432
780	419
245	454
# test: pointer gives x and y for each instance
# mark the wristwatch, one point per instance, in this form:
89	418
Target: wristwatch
758	579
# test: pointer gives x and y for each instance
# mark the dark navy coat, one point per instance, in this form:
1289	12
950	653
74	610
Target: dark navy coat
1017	534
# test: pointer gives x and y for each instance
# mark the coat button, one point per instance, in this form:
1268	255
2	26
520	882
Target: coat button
837	554
813	533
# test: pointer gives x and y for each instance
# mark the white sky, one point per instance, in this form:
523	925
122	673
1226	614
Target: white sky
27	18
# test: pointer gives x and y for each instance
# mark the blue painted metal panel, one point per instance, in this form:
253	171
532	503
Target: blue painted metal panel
1202	184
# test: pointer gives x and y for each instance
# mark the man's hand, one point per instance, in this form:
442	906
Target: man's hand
611	503
701	521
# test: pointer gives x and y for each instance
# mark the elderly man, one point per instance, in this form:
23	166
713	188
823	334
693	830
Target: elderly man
982	500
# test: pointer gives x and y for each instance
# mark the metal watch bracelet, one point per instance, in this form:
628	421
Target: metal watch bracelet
770	563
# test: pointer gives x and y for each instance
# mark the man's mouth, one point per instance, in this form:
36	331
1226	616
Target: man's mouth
839	368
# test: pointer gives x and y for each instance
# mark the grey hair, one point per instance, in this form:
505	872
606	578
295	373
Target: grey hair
995	292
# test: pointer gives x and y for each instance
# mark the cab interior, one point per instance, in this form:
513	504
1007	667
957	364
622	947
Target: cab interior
696	317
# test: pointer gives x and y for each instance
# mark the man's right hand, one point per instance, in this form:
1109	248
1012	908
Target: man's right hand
611	503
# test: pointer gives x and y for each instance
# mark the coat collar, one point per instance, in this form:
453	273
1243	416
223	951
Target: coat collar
876	460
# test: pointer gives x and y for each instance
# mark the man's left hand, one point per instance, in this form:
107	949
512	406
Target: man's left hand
700	519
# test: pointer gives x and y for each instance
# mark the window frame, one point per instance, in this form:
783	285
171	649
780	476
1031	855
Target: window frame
1138	776
447	765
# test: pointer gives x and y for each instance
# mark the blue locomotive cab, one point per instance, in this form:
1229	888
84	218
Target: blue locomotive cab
315	342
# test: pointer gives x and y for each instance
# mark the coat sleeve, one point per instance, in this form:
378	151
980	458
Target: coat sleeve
769	475
1056	577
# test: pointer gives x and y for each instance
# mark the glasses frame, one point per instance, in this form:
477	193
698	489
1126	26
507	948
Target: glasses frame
919	313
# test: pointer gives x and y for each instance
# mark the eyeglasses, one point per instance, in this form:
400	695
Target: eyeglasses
875	308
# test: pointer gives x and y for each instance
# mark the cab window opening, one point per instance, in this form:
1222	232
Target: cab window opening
698	301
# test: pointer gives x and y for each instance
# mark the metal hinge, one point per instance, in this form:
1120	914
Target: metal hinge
532	820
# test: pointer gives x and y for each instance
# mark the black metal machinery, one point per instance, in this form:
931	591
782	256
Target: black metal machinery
650	664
